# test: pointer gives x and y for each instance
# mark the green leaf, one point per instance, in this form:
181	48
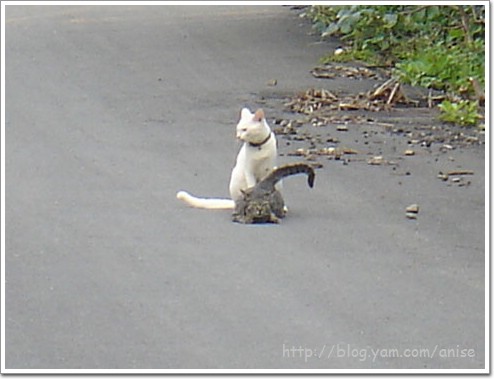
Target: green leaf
455	34
330	30
347	22
390	20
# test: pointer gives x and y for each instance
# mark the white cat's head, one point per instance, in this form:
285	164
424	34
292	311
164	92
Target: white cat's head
252	126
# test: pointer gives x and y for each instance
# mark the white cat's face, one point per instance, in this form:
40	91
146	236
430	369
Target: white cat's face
251	125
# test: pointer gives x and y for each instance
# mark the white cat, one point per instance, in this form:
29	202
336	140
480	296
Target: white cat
255	160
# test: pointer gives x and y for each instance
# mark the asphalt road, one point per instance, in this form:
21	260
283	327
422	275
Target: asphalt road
112	109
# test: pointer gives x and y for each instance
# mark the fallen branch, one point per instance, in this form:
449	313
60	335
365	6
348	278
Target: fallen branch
459	172
393	92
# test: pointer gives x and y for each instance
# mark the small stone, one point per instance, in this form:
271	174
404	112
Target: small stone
339	51
412	216
413	208
377	160
409	152
442	176
272	82
342	128
456	179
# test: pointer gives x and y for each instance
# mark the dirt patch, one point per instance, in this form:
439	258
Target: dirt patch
381	126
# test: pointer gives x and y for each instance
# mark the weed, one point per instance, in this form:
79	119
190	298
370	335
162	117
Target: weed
434	46
462	112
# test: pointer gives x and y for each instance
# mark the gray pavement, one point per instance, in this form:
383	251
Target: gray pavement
112	109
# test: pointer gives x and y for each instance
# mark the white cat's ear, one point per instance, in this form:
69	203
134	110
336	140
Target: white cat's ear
245	113
259	115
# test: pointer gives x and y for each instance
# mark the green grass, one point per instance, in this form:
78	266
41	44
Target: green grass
434	46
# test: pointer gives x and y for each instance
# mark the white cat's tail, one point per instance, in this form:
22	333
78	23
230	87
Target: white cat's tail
205	203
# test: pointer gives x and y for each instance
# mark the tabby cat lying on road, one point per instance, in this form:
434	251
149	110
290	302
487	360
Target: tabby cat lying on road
263	203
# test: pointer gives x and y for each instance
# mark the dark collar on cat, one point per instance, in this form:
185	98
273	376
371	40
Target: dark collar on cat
262	142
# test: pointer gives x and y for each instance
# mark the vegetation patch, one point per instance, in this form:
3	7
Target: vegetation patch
439	47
